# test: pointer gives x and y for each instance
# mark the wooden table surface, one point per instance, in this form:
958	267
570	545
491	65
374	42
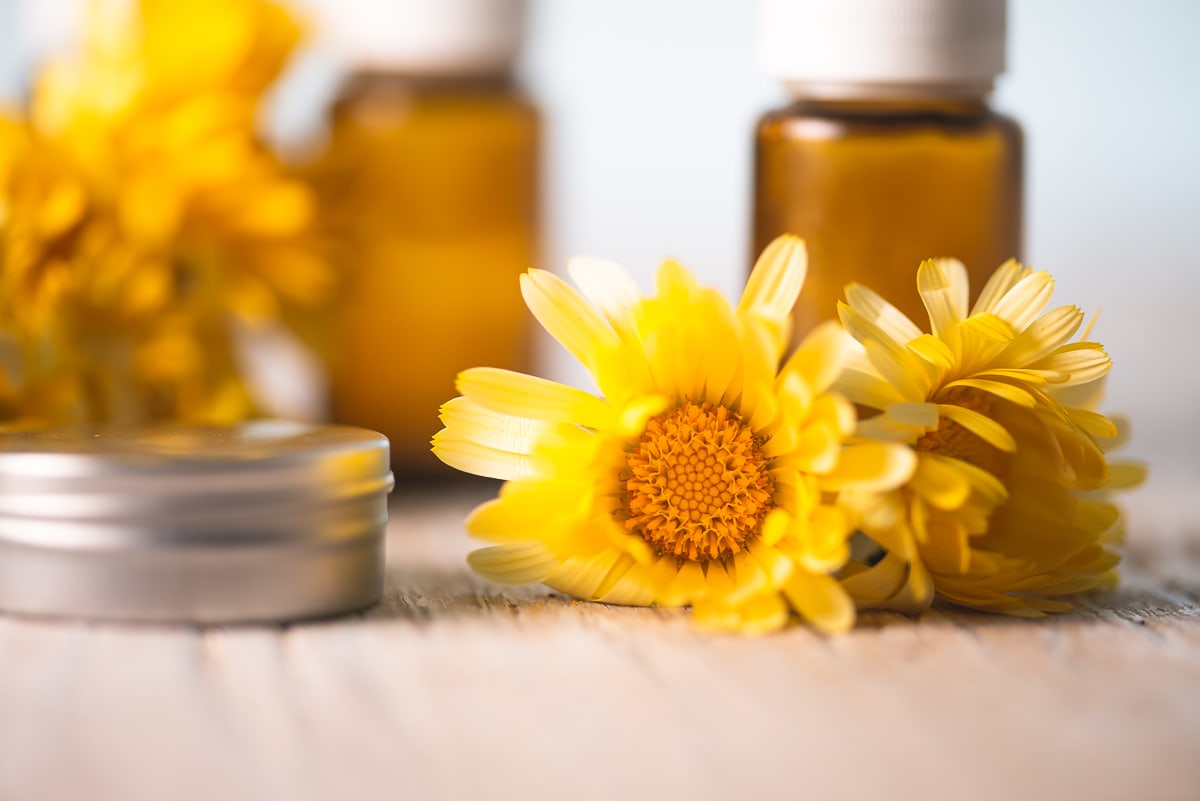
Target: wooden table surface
454	688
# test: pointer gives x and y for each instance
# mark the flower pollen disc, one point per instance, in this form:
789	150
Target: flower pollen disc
698	485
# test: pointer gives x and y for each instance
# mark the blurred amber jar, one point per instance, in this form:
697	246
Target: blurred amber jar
889	153
877	186
431	174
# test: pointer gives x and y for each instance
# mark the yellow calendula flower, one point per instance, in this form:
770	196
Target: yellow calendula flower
703	475
141	219
1001	512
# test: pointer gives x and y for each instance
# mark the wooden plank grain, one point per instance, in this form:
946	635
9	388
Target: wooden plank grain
454	688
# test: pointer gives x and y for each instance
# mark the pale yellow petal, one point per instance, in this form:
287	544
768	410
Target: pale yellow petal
495	430
1001	281
610	288
867	388
887	318
943	287
524	563
1045	334
529	396
775	281
1022	304
630	589
912	378
568	318
1081	362
468	456
989	328
583	577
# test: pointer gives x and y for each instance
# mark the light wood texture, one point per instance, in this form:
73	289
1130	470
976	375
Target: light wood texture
453	688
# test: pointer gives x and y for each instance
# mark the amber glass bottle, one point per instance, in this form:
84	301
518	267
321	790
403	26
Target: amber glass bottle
431	174
888	155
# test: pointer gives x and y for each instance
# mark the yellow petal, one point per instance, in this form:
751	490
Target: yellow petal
981	425
1000	389
870	467
775	526
939	483
775	281
1123	475
568	318
760	614
911	377
1094	423
1001	281
821	601
1022	304
1080	362
463	454
943	287
989	327
871	587
630	589
524	563
1048	332
933	350
500	431
820	356
583	577
889	320
523	395
527	506
610	288
867	388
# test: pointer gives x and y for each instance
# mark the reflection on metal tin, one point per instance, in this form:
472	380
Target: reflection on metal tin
267	521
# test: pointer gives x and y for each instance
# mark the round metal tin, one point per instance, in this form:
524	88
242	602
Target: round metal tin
267	521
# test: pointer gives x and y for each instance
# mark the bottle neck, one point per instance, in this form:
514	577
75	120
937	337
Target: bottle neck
374	79
900	93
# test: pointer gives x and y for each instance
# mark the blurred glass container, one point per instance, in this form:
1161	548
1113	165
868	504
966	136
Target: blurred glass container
266	521
889	153
430	174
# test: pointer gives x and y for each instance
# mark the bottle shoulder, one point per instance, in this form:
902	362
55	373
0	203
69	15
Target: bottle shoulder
381	93
826	119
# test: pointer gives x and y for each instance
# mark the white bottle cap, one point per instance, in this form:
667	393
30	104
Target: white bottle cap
883	47
428	37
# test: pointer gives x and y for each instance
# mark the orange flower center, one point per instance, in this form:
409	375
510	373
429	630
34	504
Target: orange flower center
952	439
698	485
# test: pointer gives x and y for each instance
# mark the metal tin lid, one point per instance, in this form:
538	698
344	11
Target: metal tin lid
270	520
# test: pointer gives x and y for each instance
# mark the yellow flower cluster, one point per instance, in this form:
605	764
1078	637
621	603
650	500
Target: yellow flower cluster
715	470
141	219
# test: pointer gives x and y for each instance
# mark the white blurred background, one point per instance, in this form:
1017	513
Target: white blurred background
650	106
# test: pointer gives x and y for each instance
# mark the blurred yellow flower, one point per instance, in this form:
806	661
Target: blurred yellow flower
140	216
705	474
998	514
